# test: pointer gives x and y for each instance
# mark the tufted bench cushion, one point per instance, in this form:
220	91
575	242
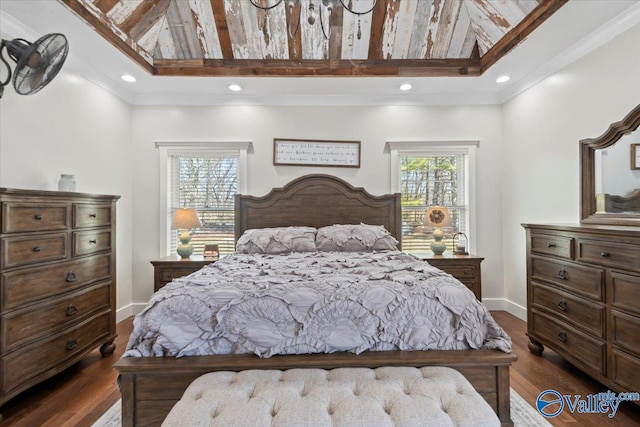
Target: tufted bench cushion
387	396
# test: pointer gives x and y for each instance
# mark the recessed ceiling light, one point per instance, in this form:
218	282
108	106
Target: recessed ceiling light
405	86
235	87
503	79
128	78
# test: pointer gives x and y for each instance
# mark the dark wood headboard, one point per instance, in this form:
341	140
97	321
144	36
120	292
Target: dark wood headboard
316	201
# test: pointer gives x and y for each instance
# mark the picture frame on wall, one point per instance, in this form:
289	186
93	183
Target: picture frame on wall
312	152
635	156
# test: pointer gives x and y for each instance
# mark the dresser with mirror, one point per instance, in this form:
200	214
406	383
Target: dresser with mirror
583	280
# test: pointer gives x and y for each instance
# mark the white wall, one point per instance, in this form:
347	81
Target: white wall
374	126
542	129
72	126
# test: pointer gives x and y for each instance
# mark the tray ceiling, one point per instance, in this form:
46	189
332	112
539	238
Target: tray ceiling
233	38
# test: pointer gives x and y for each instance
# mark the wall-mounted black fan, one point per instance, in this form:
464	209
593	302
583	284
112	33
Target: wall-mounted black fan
36	63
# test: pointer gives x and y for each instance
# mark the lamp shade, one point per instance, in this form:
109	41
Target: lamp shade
184	218
437	216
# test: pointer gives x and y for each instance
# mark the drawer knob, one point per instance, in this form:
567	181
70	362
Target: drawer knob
37	249
562	274
71	277
465	272
92	215
562	305
71	310
562	336
551	245
604	254
94	241
71	343
38	217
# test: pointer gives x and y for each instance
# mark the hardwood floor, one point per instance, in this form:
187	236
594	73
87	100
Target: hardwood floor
78	396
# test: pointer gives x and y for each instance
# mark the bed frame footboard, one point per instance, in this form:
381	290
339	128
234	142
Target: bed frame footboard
150	386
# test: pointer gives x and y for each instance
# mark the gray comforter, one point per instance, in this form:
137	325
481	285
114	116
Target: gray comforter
314	302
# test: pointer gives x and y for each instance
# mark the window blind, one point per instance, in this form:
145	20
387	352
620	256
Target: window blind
427	180
207	183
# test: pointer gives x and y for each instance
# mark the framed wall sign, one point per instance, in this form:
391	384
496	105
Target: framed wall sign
635	156
311	152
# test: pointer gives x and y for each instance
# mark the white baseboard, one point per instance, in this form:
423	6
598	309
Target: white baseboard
129	310
504	304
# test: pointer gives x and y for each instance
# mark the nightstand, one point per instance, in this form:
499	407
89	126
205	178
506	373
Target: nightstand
465	268
168	268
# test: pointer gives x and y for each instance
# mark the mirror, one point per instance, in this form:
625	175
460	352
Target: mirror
610	192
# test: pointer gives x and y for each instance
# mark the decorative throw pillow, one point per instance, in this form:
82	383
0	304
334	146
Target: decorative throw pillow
354	238
278	240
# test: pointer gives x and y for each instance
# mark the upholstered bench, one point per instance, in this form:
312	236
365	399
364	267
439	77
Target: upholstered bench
387	396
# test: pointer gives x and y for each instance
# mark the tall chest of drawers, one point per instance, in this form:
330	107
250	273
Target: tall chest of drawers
583	298
57	283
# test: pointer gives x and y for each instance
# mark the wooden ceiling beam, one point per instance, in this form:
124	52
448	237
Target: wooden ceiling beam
378	17
541	13
129	47
144	17
220	17
324	68
105	5
335	38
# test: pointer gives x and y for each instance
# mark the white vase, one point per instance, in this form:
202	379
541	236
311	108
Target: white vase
67	183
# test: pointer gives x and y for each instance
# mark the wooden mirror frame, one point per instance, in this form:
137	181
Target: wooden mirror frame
587	172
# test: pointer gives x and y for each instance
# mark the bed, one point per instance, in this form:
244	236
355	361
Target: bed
150	386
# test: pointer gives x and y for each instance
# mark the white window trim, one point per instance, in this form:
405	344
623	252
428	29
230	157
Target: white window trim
238	149
398	149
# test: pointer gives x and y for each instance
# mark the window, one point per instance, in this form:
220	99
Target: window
209	185
195	175
429	174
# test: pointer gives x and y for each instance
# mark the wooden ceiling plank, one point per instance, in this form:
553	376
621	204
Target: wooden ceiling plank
105	5
237	32
448	19
294	29
377	29
432	28
470	44
149	40
275	36
177	33
405	19
253	20
335	36
417	45
222	28
513	11
188	25
113	35
325	68
122	10
313	41
165	47
459	38
532	21
144	17
389	29
205	28
354	47
488	26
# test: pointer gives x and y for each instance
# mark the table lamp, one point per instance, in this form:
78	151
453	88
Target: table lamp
437	217
184	219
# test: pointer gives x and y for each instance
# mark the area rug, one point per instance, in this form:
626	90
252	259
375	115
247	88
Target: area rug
522	414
